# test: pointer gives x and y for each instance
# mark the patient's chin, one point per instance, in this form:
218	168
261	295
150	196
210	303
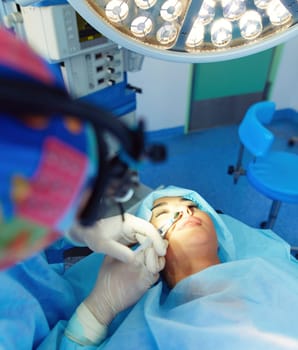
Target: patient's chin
191	240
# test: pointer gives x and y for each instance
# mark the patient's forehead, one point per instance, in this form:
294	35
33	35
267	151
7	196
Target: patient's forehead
167	200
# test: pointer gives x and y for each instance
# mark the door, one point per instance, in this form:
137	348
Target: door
221	92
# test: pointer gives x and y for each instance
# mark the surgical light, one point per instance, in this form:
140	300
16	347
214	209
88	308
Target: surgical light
193	30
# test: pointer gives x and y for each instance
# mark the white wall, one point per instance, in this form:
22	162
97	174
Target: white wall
164	101
285	89
166	88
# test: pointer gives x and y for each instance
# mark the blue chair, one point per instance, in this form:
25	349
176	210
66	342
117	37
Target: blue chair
272	173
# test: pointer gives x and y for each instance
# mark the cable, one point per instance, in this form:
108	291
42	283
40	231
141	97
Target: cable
19	97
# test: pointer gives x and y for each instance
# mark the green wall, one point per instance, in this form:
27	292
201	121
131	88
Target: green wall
235	77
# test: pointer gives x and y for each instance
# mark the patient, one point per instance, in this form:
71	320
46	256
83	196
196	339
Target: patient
231	286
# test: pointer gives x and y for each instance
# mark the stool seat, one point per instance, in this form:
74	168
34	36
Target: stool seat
276	176
273	173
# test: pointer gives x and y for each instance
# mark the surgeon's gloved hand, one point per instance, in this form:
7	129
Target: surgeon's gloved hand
118	287
112	235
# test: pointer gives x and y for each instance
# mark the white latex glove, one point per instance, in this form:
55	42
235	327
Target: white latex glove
111	236
118	286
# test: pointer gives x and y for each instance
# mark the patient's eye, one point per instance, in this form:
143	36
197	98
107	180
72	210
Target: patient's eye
170	210
161	213
190	204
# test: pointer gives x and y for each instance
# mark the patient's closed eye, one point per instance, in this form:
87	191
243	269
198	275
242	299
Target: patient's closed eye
190	205
161	213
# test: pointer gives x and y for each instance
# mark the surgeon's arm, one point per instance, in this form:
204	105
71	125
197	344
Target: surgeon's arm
118	286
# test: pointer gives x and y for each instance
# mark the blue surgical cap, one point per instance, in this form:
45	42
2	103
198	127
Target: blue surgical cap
224	236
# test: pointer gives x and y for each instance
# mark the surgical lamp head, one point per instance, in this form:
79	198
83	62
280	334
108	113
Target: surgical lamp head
193	30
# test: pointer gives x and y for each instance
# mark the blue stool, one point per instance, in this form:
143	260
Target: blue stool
272	173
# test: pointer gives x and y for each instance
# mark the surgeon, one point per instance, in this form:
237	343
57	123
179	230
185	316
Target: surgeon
55	170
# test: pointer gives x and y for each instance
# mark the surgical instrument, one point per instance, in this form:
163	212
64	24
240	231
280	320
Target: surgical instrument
162	230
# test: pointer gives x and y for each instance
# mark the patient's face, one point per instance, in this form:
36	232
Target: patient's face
192	237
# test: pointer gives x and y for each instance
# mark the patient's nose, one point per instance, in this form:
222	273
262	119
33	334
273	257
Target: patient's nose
184	211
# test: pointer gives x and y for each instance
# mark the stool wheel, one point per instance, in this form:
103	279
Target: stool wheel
231	169
263	224
291	142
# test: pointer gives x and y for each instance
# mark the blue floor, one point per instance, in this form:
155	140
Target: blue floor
199	160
